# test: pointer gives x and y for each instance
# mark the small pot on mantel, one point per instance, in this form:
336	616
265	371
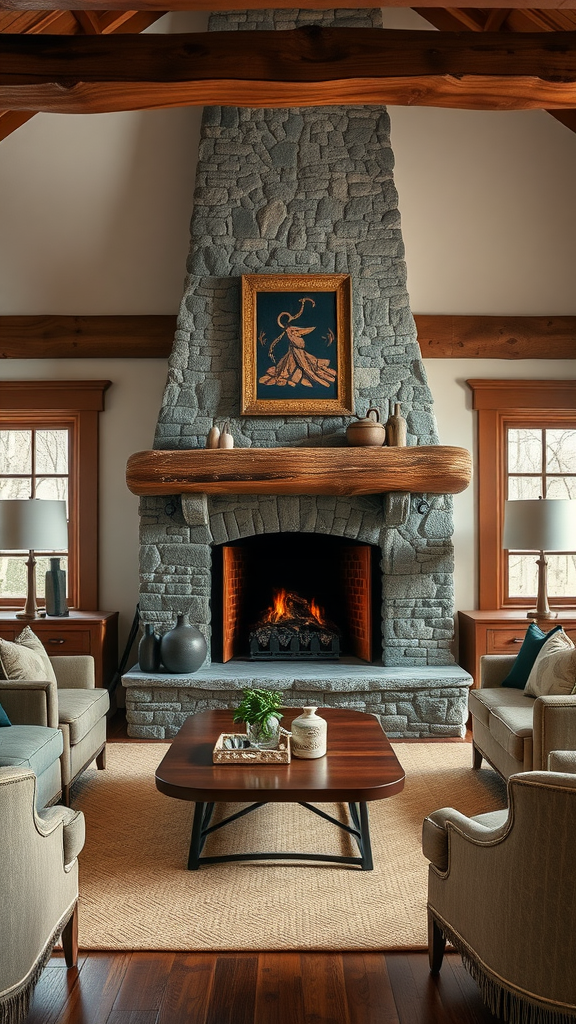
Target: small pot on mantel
367	431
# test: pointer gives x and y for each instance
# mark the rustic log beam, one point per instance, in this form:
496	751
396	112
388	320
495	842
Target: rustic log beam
301	67
431	469
86	337
249	5
151	337
497	337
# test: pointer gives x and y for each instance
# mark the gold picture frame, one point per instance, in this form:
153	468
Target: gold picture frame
285	373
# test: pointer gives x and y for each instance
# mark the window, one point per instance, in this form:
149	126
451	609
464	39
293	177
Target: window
526	449
49	449
34	463
541	463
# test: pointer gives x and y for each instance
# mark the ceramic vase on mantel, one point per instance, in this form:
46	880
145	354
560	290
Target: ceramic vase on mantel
396	429
309	732
183	649
149	650
55	589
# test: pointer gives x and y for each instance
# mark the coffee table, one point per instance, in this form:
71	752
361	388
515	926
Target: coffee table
358	767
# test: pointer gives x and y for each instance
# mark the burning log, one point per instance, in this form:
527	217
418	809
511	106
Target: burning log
294	628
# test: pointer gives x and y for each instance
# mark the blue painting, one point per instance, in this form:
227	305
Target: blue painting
297	345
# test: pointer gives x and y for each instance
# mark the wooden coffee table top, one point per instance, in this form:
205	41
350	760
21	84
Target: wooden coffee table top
359	765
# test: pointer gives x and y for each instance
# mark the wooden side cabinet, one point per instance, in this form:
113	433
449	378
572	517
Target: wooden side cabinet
502	632
94	633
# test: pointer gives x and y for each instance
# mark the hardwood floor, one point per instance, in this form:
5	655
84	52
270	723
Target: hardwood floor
254	988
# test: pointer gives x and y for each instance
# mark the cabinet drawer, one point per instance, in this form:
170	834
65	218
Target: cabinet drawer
60	641
505	641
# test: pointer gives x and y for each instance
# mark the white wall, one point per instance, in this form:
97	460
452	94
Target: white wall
94	215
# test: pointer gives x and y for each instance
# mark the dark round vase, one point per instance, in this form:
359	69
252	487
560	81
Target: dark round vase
183	649
149	650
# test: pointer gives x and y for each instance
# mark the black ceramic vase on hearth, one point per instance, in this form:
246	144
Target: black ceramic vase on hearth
149	650
183	649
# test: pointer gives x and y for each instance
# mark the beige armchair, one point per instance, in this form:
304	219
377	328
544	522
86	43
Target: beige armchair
74	705
38	888
501	890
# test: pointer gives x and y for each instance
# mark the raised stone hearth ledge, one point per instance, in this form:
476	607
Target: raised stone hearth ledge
417	702
430	469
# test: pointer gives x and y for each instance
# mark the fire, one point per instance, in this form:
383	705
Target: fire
291	607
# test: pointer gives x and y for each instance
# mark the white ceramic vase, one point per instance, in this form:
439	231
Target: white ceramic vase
309	734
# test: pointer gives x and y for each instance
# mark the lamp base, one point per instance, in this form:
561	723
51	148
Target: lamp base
535	614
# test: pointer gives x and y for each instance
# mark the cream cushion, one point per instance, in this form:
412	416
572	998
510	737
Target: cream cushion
29	639
554	671
19	662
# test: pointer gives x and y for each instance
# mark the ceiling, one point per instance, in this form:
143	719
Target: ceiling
89	22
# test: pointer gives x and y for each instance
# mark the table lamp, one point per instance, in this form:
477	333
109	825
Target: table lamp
542	524
31	524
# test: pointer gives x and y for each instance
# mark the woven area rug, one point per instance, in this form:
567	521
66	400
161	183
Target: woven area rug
135	891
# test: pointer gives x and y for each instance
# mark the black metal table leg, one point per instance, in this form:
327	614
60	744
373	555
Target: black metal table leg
196	842
367	862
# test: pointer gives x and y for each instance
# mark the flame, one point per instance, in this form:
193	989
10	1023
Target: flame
287	605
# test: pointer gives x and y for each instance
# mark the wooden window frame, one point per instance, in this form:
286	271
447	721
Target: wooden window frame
501	404
74	404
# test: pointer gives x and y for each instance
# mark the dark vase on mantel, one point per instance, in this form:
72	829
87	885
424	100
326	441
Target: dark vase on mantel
184	648
149	650
55	589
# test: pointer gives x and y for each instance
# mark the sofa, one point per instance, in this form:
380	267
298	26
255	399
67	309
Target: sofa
512	730
39	749
69	702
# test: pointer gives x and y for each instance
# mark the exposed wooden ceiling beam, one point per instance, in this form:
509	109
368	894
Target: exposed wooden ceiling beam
232	5
495	20
151	337
514	21
67	23
88	22
301	67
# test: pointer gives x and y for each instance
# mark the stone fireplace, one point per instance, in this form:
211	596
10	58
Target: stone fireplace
298	191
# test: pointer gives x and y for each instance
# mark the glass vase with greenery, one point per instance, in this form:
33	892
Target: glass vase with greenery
260	711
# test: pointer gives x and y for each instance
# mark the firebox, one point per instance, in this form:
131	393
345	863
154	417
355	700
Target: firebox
295	597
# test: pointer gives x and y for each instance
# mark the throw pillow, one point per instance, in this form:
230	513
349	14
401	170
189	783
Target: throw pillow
17	662
29	639
554	670
4	720
529	651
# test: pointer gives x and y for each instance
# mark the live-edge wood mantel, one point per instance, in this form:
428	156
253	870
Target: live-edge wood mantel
430	469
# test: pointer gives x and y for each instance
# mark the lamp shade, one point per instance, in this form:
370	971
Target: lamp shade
33	524
543	524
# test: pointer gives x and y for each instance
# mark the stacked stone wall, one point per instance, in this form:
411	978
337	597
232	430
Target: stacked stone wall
307	190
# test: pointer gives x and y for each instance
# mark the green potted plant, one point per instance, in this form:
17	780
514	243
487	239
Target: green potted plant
259	710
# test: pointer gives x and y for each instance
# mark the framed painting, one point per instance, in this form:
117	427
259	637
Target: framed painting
296	345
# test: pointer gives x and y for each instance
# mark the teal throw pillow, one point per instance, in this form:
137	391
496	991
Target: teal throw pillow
4	720
531	647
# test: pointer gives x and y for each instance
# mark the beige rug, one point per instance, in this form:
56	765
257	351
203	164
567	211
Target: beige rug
137	894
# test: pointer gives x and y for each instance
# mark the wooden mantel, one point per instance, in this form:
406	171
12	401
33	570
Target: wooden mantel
430	469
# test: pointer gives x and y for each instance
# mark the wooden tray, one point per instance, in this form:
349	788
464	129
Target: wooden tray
251	755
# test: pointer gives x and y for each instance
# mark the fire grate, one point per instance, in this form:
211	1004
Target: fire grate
283	643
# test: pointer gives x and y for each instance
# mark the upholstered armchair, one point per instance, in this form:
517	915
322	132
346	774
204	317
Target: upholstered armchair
38	888
72	703
501	890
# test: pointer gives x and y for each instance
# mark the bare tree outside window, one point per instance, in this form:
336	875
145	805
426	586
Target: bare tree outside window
33	464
